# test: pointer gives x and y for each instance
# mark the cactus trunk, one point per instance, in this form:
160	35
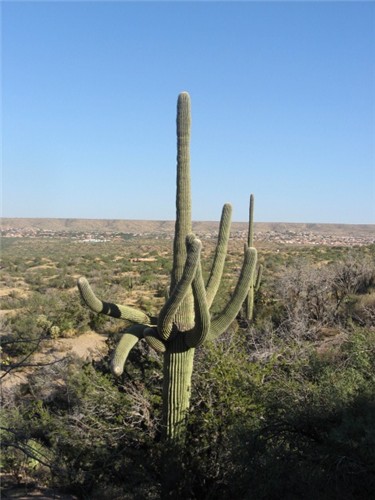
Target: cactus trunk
177	373
178	359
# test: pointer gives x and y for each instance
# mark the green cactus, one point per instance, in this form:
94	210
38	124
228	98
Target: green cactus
184	321
257	275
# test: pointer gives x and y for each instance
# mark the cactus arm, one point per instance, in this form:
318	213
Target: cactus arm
196	336
153	339
249	302
169	310
128	340
259	277
87	294
250	234
114	310
220	254
254	287
223	320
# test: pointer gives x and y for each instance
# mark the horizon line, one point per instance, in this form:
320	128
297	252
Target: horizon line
194	220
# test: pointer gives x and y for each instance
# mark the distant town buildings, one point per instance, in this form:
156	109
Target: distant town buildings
282	237
288	237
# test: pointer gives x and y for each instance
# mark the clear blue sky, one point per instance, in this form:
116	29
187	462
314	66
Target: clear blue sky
283	104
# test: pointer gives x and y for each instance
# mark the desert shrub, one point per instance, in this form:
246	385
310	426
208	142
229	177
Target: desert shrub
353	276
21	335
94	432
305	293
272	416
267	419
363	310
282	422
312	297
61	281
317	438
40	317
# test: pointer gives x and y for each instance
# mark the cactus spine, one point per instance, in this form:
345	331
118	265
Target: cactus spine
184	321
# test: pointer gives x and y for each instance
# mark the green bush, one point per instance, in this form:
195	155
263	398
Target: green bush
95	433
317	438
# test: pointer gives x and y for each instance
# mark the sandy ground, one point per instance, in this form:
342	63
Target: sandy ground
88	346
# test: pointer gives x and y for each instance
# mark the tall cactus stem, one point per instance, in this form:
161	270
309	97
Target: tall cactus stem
183	225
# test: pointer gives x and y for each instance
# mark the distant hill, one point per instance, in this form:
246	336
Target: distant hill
150	226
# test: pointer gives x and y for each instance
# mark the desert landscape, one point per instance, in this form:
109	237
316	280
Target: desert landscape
299	233
63	413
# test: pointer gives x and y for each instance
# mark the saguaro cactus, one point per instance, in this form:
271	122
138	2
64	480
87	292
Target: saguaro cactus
257	275
184	321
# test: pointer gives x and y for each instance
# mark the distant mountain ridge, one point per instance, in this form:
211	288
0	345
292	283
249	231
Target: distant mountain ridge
167	226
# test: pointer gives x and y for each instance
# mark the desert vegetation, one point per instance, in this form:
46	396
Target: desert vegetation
282	406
